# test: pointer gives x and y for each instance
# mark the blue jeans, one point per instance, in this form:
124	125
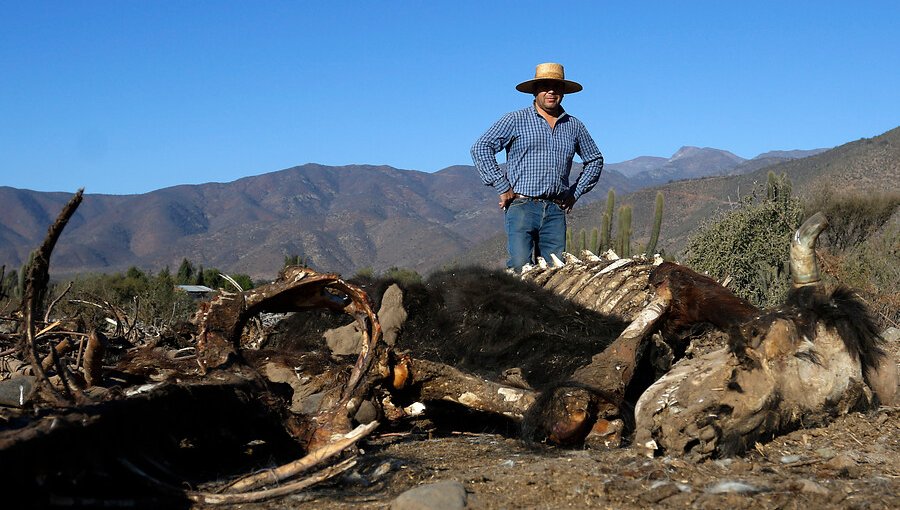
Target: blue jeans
534	228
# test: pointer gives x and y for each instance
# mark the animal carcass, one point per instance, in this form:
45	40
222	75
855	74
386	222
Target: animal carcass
801	364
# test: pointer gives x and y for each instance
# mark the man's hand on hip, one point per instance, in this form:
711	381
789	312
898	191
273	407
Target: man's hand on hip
568	203
506	198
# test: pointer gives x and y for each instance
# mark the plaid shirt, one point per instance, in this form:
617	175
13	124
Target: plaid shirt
538	159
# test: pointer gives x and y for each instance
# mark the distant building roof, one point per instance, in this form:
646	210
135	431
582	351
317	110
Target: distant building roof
195	289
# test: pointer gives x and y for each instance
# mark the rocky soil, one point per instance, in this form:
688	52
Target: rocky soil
852	463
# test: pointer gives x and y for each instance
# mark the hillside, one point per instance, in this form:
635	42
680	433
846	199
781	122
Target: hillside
339	218
868	164
343	219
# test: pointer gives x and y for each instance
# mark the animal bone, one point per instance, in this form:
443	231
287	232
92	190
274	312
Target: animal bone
798	365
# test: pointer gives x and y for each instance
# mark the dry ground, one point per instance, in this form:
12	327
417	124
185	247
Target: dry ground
852	463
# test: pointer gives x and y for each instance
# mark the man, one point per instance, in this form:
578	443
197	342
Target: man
540	142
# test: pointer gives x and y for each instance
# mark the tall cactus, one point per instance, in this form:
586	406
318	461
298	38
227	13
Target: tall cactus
624	237
657	223
23	273
606	233
605	227
570	247
594	234
778	189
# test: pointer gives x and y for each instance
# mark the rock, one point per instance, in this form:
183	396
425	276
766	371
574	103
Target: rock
391	315
811	487
383	469
443	495
311	403
660	491
825	453
728	487
345	340
302	389
367	412
891	334
843	464
16	392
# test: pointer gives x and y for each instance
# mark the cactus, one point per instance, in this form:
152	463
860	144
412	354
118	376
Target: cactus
623	240
296	260
570	247
583	239
23	274
606	233
593	245
657	222
605	226
778	188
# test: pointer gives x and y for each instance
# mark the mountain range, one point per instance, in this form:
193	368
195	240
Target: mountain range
342	219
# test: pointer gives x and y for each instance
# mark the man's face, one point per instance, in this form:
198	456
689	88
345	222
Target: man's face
548	94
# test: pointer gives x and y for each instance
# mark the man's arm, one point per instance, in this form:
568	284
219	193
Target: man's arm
484	154
592	160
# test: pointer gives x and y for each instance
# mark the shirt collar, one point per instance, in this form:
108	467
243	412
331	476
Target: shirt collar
561	114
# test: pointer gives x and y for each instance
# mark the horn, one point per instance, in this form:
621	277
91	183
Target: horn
804	268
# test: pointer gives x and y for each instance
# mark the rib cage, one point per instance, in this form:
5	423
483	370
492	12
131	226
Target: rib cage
608	284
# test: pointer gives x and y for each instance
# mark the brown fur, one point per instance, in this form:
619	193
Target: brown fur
697	298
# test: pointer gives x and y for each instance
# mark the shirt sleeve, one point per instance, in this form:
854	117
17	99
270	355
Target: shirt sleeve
484	153
592	160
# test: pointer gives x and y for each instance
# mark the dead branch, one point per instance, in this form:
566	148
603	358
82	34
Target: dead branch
274	476
93	358
250	497
56	300
62	348
36	284
69	389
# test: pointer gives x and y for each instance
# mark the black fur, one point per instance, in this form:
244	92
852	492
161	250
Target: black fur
484	321
480	321
844	312
841	311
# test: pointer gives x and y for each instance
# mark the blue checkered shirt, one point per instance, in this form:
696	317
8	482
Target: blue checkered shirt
538	159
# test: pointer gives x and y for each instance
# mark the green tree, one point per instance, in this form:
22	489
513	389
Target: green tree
242	279
185	274
199	278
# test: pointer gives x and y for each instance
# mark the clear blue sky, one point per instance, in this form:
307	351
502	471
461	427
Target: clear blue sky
131	96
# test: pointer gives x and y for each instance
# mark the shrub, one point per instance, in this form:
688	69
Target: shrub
853	217
872	269
152	300
750	243
403	275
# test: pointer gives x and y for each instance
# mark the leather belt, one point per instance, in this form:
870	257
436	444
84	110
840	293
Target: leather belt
557	201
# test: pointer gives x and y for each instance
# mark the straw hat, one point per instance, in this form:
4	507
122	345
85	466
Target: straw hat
549	71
